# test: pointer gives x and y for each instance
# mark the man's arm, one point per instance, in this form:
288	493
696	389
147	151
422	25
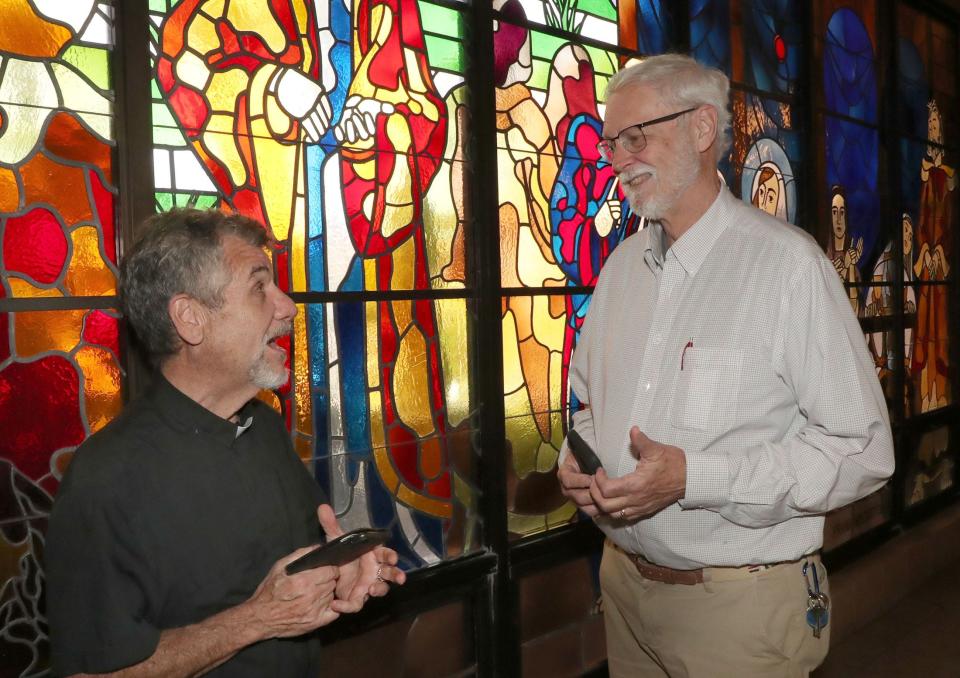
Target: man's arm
845	449
282	606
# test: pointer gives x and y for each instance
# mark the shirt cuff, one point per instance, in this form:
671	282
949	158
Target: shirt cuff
708	478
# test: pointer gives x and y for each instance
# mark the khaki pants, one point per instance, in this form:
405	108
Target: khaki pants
735	624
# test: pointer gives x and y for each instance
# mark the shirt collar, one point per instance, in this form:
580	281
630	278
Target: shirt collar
691	248
187	415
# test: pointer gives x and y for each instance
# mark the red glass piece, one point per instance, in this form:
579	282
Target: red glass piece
104	201
34	244
39	412
191	110
780	47
103	330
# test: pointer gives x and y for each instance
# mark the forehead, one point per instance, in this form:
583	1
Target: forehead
631	105
241	258
837	200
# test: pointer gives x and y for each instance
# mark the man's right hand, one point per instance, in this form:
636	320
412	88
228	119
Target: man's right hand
291	605
576	486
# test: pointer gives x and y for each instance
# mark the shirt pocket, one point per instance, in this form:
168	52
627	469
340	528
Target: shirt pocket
707	390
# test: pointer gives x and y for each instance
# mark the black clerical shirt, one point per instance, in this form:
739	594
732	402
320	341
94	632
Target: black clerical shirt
167	516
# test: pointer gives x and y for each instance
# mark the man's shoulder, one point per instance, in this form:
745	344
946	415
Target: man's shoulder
765	235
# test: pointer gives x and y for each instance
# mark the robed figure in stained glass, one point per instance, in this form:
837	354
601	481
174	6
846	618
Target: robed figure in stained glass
934	225
393	131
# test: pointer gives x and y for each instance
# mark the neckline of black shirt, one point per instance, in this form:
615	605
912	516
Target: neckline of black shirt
187	415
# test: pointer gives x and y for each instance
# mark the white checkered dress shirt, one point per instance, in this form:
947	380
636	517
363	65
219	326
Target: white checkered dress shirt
739	346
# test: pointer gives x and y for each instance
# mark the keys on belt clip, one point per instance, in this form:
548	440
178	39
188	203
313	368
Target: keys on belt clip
818	603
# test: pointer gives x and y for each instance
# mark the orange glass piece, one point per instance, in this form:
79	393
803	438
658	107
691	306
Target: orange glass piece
39	331
9	191
27	34
88	275
101	386
45	178
68	139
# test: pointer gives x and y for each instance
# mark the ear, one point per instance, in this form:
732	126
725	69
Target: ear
189	318
705	127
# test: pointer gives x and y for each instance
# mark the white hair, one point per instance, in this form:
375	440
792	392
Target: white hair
684	82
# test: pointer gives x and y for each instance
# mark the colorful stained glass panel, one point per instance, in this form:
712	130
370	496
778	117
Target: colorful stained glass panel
392	421
765	161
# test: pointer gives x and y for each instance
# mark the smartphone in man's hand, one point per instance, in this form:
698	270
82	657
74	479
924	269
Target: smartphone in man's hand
340	551
586	458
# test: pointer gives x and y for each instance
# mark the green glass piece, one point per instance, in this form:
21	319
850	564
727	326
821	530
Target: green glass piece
93	62
164	201
605	9
166	136
444	54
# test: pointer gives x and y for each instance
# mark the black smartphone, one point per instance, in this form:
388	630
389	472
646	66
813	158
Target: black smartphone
587	459
339	551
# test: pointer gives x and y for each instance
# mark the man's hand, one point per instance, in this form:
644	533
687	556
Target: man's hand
368	575
659	479
290	605
576	486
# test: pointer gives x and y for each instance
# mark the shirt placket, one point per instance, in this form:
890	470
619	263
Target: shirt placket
661	320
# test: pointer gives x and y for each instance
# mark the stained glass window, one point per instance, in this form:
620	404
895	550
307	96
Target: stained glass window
60	370
346	139
561	213
929	198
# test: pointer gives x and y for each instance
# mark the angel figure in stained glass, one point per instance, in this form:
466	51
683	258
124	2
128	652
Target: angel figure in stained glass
842	250
935	223
768	192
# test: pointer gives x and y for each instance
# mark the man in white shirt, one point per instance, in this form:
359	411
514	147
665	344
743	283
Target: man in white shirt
730	396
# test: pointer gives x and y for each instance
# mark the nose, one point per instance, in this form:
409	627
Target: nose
285	309
622	159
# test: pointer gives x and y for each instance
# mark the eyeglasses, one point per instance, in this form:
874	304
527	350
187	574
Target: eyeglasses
632	138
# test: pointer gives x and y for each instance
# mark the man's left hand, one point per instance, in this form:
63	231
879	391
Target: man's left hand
659	479
368	575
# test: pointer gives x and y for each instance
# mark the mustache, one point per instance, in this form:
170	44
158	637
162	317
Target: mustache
635	171
281	331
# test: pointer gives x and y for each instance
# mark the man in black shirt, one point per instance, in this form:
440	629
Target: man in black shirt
169	537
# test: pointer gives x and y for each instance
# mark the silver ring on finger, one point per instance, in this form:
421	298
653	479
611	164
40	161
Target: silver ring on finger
379	574
622	514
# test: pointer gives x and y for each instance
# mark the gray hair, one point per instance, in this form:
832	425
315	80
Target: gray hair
180	252
684	82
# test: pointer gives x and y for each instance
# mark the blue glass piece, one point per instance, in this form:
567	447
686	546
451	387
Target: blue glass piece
852	162
710	33
316	264
350	324
653	27
914	91
431	529
353	280
383	513
773	45
849	68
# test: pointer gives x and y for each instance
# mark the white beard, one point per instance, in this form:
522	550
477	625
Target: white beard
671	183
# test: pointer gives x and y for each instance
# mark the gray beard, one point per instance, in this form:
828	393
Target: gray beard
263	376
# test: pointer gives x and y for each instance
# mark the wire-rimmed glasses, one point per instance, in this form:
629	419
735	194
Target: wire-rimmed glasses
632	138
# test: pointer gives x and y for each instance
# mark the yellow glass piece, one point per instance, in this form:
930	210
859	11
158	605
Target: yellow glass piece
298	254
411	386
547	327
452	330
512	371
303	446
27	34
39	331
522	432
402	315
79	95
278	164
301	374
87	274
373	344
376	419
202	34
404	494
255	17
277	118
403	271
192	70
101	386
518	523
9	191
219	139
224	89
547	454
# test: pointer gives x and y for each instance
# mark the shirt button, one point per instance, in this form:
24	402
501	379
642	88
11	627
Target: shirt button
646	387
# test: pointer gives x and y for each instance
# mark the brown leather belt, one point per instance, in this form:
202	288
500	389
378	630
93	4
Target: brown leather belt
668	575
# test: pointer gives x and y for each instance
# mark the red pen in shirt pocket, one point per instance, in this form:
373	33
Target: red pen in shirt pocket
684	353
